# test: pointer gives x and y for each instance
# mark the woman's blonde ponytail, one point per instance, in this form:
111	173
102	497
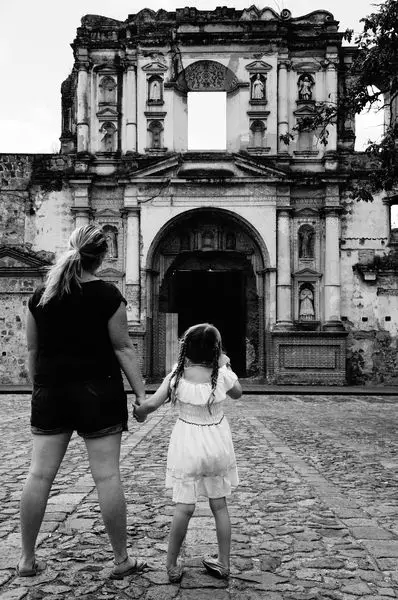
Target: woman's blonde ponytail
87	246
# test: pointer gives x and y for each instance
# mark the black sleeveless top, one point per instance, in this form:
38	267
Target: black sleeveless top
73	339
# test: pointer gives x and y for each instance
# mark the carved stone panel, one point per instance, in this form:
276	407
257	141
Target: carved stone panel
207	75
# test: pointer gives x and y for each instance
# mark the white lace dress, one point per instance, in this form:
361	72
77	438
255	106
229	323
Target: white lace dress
201	458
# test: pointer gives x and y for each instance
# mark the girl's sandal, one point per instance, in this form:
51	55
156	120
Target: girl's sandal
214	567
137	567
175	574
37	567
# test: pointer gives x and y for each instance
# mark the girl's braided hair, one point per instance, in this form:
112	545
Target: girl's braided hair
201	344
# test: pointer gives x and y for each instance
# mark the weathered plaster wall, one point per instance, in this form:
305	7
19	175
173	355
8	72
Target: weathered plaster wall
370	315
35	219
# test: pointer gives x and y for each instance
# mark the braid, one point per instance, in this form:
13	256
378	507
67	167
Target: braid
214	375
177	373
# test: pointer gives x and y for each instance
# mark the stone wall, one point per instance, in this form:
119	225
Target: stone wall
369	294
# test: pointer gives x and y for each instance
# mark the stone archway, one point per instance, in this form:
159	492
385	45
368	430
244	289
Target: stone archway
207	265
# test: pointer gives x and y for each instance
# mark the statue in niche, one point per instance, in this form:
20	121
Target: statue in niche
305	86
155	129
111	238
306	242
108	90
108	139
155	90
306	303
258	88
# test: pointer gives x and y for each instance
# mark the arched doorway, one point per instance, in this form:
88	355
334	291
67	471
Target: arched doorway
207	265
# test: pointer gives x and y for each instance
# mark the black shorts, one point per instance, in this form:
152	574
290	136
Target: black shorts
93	408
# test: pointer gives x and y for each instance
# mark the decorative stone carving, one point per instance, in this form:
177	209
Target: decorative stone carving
306	302
209	75
306	237
107	90
155	90
305	84
258	87
108	141
111	238
155	129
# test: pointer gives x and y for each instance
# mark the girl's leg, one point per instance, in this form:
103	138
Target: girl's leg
48	452
219	509
179	526
104	455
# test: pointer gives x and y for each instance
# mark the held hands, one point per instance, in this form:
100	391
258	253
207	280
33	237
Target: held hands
139	413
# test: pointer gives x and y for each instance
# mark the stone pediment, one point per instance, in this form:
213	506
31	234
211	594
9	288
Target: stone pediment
110	273
304	111
307	273
16	261
208	166
154	67
108	212
107	113
258	66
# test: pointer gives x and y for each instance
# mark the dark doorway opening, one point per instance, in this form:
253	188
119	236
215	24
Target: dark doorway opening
216	297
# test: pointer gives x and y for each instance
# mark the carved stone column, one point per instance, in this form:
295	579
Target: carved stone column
131	214
284	279
82	107
81	209
332	269
130	103
283	116
331	97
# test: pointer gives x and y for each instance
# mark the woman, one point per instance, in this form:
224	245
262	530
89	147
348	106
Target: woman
77	342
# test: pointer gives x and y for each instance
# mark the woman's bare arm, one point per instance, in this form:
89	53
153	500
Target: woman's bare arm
125	352
33	344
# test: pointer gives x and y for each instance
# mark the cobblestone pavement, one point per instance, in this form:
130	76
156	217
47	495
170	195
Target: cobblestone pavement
315	516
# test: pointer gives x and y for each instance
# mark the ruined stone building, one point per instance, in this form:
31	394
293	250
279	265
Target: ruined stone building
259	238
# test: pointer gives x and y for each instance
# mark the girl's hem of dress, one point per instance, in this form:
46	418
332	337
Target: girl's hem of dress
187	490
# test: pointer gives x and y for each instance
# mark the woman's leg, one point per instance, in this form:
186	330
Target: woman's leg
48	452
104	455
219	509
179	526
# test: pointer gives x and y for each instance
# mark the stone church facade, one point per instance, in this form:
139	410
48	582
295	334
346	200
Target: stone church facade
260	239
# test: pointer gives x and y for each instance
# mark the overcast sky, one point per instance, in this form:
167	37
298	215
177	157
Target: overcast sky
35	56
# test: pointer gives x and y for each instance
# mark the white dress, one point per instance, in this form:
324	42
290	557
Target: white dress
201	458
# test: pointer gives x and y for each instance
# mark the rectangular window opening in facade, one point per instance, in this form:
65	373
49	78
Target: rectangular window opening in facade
207	120
394	222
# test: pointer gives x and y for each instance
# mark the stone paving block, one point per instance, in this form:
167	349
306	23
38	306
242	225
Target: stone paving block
371	533
203	594
15	594
382	549
195	578
165	593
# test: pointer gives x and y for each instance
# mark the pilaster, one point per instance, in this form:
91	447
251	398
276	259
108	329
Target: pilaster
82	102
332	286
131	215
283	114
284	279
130	104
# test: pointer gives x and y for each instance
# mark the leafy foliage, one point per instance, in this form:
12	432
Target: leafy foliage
373	76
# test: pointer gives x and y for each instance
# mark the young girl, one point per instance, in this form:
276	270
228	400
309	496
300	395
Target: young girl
201	458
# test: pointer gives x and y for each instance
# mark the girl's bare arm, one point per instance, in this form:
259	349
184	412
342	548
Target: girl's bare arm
153	403
236	391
